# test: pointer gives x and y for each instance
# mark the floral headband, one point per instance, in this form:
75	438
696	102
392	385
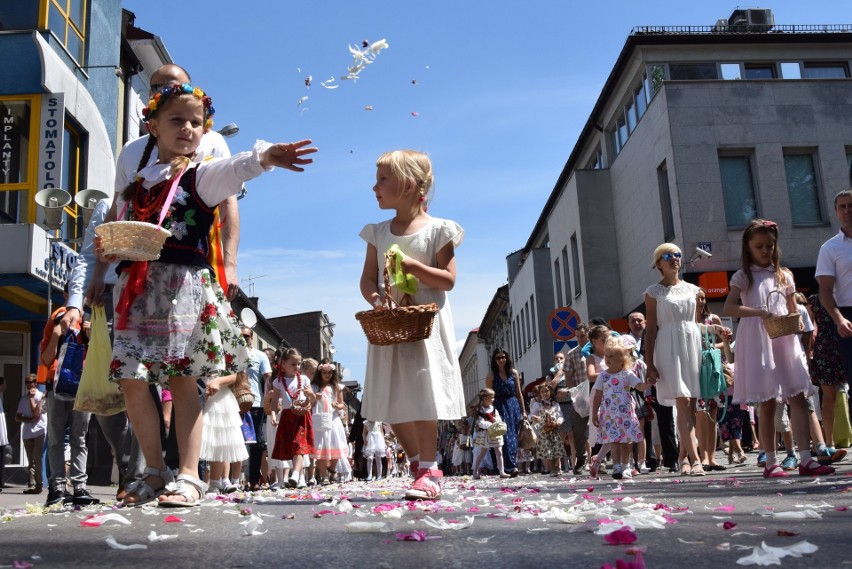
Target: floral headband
180	89
326	367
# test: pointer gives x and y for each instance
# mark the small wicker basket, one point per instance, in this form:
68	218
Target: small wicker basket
777	326
398	323
132	240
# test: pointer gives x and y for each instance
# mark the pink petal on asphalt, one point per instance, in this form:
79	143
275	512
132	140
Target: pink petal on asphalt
172	520
620	537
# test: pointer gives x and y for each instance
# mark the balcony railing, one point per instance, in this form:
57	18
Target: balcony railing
742	29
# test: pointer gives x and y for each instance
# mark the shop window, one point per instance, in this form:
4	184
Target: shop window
10	206
803	188
15	141
738	189
66	19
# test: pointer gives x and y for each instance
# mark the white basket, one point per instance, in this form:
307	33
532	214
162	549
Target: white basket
132	240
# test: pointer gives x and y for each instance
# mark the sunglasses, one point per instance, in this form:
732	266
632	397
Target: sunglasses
670	256
500	358
29	382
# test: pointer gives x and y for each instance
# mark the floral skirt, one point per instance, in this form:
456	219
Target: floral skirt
180	325
549	445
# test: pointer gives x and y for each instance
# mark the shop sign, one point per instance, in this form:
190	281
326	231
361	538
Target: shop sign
51	135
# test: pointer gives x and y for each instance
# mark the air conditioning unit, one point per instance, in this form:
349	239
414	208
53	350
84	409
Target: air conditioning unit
738	21
760	20
721	26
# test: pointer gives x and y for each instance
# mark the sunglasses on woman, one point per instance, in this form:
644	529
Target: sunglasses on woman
669	256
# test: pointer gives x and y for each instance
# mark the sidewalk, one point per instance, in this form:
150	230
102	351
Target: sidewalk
13	497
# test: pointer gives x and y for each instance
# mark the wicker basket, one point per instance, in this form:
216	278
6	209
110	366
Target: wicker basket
777	326
397	323
132	240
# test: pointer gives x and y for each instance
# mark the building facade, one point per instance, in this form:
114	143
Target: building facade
698	130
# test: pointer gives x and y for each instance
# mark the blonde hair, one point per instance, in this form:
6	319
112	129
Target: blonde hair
615	344
413	169
661	250
485	392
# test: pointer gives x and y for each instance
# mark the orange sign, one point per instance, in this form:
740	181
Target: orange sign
715	283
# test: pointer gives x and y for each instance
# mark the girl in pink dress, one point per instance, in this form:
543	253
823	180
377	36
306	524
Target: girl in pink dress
614	407
769	370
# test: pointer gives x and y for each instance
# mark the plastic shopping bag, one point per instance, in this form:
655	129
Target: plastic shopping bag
96	393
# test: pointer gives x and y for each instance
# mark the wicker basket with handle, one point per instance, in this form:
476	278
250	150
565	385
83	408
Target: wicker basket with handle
399	322
132	240
777	326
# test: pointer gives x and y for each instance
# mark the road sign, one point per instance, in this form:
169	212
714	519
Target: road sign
562	323
563	345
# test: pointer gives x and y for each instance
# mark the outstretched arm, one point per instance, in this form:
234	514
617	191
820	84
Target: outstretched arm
288	155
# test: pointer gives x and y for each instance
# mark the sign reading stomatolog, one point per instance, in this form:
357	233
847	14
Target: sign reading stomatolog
51	133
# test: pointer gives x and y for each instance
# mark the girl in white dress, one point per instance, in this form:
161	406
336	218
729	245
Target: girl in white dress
221	437
415	384
331	446
483	442
374	448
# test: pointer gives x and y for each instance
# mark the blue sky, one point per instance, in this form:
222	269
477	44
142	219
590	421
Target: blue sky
502	91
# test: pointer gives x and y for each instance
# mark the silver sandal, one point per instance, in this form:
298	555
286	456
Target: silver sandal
187	487
142	490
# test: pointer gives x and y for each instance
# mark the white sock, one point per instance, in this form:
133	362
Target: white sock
804	457
428	465
370	467
378	468
415	458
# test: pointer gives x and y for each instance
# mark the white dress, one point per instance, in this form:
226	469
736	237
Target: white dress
375	446
4	436
221	435
331	444
416	381
677	351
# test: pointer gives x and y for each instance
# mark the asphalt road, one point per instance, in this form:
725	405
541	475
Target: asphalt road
534	521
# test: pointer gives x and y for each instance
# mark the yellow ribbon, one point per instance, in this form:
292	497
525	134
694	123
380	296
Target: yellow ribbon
404	282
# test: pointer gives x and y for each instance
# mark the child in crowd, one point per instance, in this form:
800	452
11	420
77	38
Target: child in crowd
613	405
546	414
33	418
202	334
413	385
222	439
308	369
483	442
595	364
768	369
281	468
374	448
295	435
329	446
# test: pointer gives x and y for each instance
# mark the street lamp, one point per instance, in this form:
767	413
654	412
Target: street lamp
229	130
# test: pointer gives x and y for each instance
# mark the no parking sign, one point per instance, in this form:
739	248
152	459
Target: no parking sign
563	322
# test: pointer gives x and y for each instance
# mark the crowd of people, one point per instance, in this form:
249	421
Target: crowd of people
200	401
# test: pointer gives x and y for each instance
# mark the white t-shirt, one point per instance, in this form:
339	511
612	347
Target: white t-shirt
32	430
835	260
806	318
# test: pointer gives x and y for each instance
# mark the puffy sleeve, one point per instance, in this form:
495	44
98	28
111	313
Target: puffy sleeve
653	291
739	280
449	232
220	178
368	234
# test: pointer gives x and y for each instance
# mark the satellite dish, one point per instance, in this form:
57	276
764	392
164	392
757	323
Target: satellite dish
248	317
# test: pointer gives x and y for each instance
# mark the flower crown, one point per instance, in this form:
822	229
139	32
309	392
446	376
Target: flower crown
326	367
180	89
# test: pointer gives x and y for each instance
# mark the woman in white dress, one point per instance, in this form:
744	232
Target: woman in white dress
673	348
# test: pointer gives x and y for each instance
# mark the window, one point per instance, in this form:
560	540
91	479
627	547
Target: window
15	143
692	71
596	161
558	276
738	190
760	71
730	71
665	202
802	188
837	70
641	100
849	164
656	76
66	19
567	276
527	329
10	207
621	133
790	70
630	111
575	257
532	318
72	150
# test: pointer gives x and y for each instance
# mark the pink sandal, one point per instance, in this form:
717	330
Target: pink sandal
813	468
427	486
774	471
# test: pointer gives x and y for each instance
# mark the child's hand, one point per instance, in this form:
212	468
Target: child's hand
212	387
99	251
595	419
376	301
287	155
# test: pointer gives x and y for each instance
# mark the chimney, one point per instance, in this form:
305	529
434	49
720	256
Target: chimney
254	300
